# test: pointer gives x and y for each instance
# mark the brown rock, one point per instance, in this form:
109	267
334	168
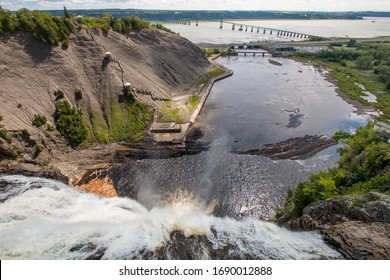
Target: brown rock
360	240
357	226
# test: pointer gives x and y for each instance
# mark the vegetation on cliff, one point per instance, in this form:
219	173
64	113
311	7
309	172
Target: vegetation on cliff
53	30
364	167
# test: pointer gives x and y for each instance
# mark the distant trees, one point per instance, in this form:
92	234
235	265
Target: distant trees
352	43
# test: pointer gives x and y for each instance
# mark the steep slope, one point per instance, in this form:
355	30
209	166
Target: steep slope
31	71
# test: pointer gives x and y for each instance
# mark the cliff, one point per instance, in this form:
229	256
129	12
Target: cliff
30	72
357	226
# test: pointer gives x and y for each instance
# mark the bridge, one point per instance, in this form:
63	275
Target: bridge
254	28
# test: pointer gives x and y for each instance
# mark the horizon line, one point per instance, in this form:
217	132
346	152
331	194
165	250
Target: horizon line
215	10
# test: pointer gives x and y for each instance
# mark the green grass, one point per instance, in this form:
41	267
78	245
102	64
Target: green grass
99	127
126	120
193	101
170	115
215	72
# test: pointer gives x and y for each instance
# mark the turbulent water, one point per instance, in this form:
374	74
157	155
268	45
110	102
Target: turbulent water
45	219
239	185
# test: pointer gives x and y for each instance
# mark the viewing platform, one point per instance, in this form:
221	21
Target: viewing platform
174	132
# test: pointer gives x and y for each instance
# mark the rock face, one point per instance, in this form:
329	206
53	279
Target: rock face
294	148
357	226
30	72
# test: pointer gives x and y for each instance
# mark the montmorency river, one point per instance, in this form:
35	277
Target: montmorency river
215	198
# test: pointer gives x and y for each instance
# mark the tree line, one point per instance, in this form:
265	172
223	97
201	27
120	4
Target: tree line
53	30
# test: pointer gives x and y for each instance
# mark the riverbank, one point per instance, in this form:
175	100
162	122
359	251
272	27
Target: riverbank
175	132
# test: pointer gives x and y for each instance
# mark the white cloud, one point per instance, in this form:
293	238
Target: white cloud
314	5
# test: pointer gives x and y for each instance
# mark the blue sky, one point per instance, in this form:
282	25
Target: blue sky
288	5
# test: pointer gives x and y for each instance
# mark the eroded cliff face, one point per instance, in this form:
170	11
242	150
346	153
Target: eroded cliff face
30	72
357	226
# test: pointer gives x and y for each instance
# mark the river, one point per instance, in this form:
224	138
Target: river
216	198
209	32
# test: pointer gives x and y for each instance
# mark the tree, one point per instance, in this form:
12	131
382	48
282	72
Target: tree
352	43
66	14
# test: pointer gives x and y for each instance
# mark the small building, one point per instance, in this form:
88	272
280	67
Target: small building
168	127
383	129
79	19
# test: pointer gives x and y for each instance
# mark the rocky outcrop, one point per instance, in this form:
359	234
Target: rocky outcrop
6	150
294	148
357	226
30	169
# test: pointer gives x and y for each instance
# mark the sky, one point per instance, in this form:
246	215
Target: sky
284	5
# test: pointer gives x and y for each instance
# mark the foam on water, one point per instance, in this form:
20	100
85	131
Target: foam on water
45	219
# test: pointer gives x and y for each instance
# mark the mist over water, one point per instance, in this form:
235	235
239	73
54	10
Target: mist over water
49	220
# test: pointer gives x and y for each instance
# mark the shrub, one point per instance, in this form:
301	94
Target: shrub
78	94
59	94
339	136
69	123
364	62
39	120
5	136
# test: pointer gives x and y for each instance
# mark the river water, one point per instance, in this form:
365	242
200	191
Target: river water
216	198
209	32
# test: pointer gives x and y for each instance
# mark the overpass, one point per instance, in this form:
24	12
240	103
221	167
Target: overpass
254	28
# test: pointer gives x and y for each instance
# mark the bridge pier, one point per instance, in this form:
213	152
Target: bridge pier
233	27
197	23
270	32
221	25
252	29
258	29
246	28
241	28
264	31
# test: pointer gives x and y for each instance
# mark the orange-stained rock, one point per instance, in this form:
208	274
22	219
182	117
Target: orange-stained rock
102	187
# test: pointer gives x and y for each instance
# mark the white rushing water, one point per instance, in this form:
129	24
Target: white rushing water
45	219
